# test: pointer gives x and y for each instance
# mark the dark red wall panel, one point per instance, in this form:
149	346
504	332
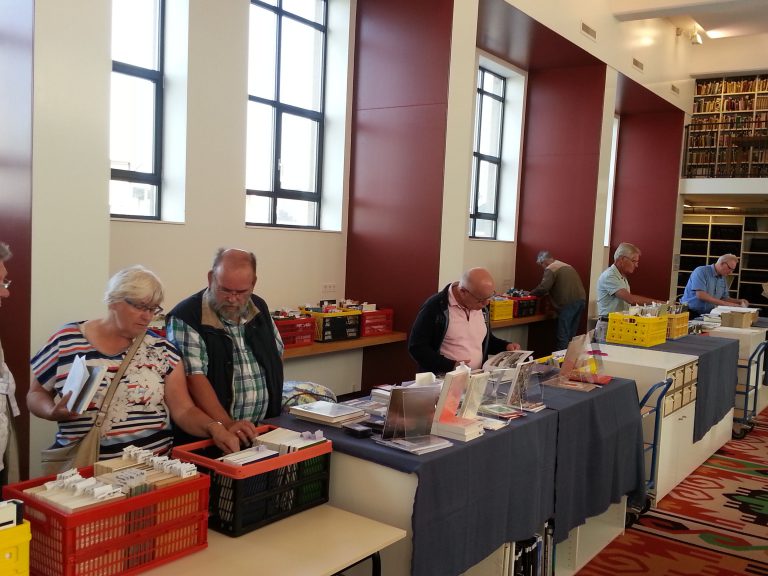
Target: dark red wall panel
16	24
395	208
560	167
645	194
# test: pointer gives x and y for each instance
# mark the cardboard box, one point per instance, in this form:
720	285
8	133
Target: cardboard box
738	319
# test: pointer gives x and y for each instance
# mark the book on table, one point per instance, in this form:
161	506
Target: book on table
326	412
417	444
458	386
408	423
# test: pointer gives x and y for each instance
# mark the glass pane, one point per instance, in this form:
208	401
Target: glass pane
132	199
258	209
307	9
473	188
493	84
259	147
262	50
296	212
132	122
298	154
484	228
486	188
135	32
490	131
301	65
476	135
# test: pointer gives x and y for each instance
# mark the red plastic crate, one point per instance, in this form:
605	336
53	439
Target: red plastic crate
525	306
119	537
296	332
376	322
244	498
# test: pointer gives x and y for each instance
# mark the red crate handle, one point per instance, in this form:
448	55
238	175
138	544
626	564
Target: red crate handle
187	453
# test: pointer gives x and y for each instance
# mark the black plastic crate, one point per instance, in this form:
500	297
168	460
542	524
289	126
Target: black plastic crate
239	505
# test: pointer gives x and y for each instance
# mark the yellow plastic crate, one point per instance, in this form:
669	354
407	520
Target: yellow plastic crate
636	330
14	550
502	309
677	325
334	326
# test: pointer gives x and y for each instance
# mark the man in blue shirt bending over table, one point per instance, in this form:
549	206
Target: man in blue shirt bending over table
707	287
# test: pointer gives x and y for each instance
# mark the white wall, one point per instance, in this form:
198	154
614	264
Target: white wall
70	175
457	251
293	265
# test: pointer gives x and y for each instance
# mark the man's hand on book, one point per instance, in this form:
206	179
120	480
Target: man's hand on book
245	430
224	439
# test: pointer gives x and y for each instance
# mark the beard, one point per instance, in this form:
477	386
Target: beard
234	312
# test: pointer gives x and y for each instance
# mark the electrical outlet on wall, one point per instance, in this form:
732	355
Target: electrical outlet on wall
507	284
329	288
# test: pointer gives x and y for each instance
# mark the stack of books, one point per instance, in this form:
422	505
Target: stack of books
456	428
324	412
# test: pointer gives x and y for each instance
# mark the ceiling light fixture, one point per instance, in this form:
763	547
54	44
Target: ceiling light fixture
696	39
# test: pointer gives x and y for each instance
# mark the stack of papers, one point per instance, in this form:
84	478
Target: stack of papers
326	412
283	440
249	455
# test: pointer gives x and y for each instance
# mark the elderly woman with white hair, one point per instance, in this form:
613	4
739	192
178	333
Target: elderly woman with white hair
151	391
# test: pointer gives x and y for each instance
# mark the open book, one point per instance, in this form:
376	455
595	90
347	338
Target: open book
83	382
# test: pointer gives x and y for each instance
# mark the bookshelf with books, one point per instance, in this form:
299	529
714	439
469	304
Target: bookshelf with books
730	115
704	238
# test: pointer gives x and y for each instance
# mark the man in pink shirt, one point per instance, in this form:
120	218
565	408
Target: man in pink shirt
453	326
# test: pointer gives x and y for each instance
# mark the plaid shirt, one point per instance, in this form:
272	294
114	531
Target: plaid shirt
249	386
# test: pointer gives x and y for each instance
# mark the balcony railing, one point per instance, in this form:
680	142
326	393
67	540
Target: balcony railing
734	149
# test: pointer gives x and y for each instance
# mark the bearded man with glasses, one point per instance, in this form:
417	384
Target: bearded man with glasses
453	326
707	287
230	346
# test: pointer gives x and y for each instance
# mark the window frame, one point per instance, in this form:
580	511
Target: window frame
279	109
478	157
156	77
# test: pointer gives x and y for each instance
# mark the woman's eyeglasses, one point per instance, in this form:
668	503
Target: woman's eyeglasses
5	284
144	308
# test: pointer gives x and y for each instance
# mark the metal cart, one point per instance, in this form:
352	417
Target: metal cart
754	367
650	407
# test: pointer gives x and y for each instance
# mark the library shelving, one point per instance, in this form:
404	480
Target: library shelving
728	134
705	238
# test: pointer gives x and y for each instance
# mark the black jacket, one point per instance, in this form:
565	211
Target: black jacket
428	332
259	336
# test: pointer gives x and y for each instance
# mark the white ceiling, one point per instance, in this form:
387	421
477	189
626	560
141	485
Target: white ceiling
718	18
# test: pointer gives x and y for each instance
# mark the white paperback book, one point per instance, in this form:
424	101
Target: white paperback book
83	382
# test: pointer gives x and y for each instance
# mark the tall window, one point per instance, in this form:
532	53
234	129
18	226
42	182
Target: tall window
486	157
611	182
136	108
286	71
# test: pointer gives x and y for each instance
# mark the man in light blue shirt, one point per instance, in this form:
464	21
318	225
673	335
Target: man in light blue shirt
707	286
613	292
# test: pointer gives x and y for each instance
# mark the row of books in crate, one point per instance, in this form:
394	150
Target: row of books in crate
513	304
648	325
131	513
331	321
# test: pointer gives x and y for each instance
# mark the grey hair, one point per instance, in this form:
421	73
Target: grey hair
625	249
543	255
727	258
134	283
5	252
220	254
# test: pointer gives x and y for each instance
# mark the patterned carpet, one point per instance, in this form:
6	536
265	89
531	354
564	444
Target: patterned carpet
714	523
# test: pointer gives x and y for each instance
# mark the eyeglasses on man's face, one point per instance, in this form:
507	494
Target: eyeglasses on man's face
477	298
154	310
5	284
634	260
730	267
